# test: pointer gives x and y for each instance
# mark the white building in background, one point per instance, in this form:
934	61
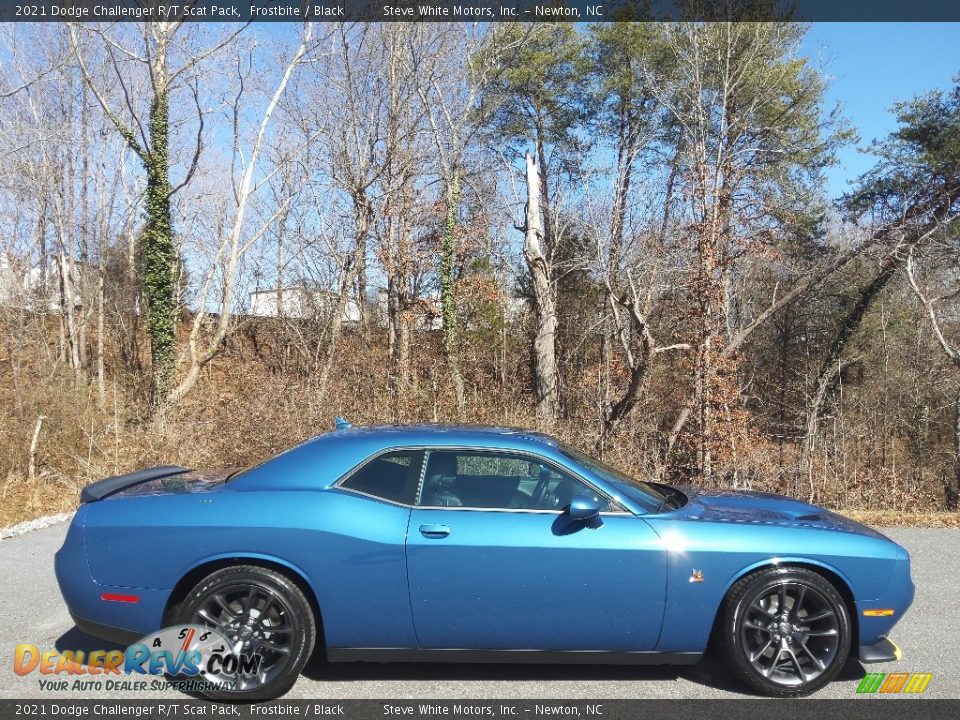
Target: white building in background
300	302
33	287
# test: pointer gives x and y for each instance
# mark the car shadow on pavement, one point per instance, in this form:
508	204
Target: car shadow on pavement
710	672
318	669
715	673
77	639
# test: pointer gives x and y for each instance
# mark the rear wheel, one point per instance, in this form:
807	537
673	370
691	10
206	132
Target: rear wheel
261	613
785	631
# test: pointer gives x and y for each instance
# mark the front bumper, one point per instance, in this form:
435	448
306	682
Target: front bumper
877	617
883	651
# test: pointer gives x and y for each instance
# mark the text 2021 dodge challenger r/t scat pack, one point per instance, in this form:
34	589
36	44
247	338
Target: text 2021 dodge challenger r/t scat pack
459	543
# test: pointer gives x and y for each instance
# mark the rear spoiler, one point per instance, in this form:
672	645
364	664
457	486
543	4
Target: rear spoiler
109	486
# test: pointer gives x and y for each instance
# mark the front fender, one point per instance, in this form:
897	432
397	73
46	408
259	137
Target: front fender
705	559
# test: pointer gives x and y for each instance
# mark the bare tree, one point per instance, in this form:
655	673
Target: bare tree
458	64
751	125
933	304
546	381
236	241
68	172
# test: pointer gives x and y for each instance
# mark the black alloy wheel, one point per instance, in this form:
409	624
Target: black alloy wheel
261	613
786	631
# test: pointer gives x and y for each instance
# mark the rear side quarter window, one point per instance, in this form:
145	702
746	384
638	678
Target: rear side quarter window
387	477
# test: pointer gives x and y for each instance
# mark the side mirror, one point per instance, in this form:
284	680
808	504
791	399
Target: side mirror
584	507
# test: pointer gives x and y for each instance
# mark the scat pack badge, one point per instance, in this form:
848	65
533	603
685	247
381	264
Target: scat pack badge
190	656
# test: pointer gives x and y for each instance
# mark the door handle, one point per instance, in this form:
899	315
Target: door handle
435	531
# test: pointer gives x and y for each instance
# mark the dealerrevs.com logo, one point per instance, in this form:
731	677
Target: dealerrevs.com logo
187	657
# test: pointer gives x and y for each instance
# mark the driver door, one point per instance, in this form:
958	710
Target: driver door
494	562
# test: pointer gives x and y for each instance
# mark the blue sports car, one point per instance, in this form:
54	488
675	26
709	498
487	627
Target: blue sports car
458	543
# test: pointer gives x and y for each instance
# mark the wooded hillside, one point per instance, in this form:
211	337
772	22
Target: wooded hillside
216	238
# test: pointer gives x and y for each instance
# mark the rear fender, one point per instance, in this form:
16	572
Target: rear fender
241	558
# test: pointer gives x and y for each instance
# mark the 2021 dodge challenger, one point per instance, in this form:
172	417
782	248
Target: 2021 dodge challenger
458	543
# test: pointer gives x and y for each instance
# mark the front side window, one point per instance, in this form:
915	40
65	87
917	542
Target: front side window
648	496
384	477
486	479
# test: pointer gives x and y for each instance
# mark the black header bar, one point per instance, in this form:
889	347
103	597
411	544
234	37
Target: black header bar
241	11
486	709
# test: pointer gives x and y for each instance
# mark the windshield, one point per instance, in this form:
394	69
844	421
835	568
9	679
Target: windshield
648	496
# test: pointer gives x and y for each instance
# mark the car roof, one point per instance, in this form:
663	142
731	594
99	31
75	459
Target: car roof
427	433
340	450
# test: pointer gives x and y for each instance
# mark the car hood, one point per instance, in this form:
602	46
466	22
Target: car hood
749	507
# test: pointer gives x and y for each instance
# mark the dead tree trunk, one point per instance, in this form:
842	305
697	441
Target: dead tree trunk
546	389
34	444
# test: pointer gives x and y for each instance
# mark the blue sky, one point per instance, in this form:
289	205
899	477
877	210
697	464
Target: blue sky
873	65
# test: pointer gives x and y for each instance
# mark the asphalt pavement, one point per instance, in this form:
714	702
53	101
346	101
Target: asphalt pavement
31	610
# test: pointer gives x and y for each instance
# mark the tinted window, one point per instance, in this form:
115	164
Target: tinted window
384	477
644	493
462	478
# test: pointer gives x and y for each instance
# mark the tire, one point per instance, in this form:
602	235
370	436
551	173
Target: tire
785	654
281	620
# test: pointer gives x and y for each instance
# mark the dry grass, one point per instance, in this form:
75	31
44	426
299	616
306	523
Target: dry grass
895	518
21	500
258	399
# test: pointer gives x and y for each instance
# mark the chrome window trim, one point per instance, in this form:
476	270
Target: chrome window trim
511	510
339	483
372	497
425	449
468	509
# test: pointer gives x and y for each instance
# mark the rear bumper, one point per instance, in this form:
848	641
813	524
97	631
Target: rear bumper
883	651
106	632
89	603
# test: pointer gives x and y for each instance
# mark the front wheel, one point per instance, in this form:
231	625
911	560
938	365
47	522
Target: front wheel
785	631
261	613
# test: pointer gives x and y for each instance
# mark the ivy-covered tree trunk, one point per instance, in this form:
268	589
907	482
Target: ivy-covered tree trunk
158	253
157	257
448	307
